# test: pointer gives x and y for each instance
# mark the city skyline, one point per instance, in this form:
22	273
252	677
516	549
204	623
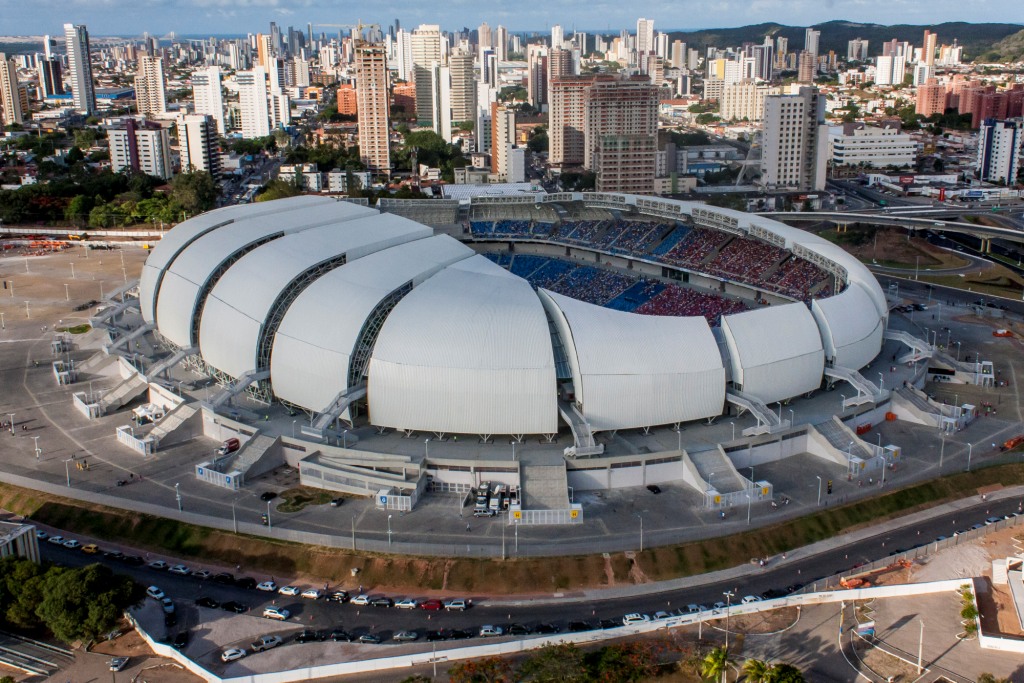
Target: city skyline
218	18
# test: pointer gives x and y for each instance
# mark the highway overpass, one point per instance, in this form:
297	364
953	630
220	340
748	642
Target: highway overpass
982	232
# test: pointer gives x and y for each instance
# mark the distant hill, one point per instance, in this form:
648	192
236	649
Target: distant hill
1009	49
976	38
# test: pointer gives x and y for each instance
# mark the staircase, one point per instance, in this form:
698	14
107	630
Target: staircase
867	392
544	484
174	421
101	318
123	393
167	363
718	471
238	386
583	436
919	348
124	339
841	438
338	406
767	421
257	456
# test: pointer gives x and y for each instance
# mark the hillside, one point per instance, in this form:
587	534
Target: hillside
976	38
1009	49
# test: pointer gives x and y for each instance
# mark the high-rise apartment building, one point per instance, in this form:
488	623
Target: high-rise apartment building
463	86
999	150
931	98
484	36
83	93
928	48
372	102
678	54
644	38
566	119
441	100
794	149
426	51
503	138
501	43
11	110
140	149
811	40
857	50
621	134
207	97
252	102
890	69
537	75
744	100
150	88
557	36
197	144
807	67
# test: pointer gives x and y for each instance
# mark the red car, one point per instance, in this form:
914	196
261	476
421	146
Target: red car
432	605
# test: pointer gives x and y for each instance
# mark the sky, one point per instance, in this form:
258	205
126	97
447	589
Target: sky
213	17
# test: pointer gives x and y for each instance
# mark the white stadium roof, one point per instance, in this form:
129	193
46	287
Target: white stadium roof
850	331
633	370
468	351
239	306
313	345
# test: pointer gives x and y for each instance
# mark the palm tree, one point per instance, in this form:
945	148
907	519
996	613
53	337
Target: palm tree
758	670
715	664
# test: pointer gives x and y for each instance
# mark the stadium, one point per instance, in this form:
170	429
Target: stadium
515	316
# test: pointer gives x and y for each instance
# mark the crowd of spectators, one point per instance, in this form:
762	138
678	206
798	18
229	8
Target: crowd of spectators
671	240
636	296
509	228
796	278
634	237
695	247
745	259
592	285
678	301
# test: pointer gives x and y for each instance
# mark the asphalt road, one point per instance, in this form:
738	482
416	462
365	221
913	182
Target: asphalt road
385	621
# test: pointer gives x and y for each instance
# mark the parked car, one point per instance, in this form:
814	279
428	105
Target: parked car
289	590
224	578
457	605
546	628
71	544
277	613
180	570
180	640
207	602
747	599
168	605
369	638
42	535
407	603
405	636
133	560
635	618
488	631
431	605
56	540
434	636
201	574
312	594
517	630
363	599
266	643
232	606
579	627
382	601
654	488
268	496
155	593
310	636
90	549
337	502
267	586
338	635
246	582
338	596
158	565
113	555
232	655
118	663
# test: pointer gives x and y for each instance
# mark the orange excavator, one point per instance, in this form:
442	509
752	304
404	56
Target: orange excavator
864	580
1010	444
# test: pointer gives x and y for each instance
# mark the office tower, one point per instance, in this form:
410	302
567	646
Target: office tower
150	95
857	50
557	36
11	110
931	98
463	86
275	38
76	39
140	149
890	69
197	144
661	46
207	97
794	149
501	43
807	67
441	100
566	146
644	38
537	75
928	48
372	102
426	51
621	130
503	138
678	54
744	100
999	150
811	38
252	102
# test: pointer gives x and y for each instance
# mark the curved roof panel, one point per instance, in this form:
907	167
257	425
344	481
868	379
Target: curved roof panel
776	352
638	370
183	283
468	351
240	304
310	360
850	329
183	234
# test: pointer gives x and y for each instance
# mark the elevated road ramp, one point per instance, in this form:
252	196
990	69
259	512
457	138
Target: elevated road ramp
767	421
919	348
102	318
32	656
582	434
128	390
867	391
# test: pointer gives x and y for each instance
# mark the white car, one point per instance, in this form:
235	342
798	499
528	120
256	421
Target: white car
71	543
155	593
158	565
490	631
289	590
313	593
267	586
180	570
168	605
634	618
277	613
363	599
408	603
56	540
458	605
751	598
202	574
232	654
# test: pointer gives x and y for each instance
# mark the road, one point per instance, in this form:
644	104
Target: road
559	609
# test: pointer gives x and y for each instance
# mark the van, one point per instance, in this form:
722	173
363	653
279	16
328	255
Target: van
229	446
496	496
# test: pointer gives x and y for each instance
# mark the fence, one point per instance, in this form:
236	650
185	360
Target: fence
207	471
144	446
90	410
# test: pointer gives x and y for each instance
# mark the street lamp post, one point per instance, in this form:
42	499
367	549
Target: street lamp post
344	438
733	432
38	452
389	530
513	450
942	450
819	489
748	508
679	438
792	417
270	525
67	294
234	519
958	352
881	381
426	447
293	428
177	496
11	423
970	449
728	603
67	470
641	532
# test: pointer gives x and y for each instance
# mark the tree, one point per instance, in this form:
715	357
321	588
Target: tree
626	663
487	670
278	189
715	664
194	192
538	140
561	663
78	209
786	673
757	671
83	603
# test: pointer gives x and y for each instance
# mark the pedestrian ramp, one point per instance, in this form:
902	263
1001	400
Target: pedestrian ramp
180	421
715	467
867	391
840	437
32	656
257	456
767	421
128	390
544	484
919	348
169	362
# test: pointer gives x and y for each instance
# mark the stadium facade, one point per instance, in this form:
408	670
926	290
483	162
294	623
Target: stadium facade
332	304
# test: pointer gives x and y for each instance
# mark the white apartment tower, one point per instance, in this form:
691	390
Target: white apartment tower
372	102
140	149
811	39
10	95
426	51
207	97
463	86
441	100
794	150
999	150
557	36
744	100
197	144
644	38
252	102
76	39
150	89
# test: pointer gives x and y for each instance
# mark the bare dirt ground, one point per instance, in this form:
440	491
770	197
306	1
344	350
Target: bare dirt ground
892	247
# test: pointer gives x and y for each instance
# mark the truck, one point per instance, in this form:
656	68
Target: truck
229	446
496	496
265	643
